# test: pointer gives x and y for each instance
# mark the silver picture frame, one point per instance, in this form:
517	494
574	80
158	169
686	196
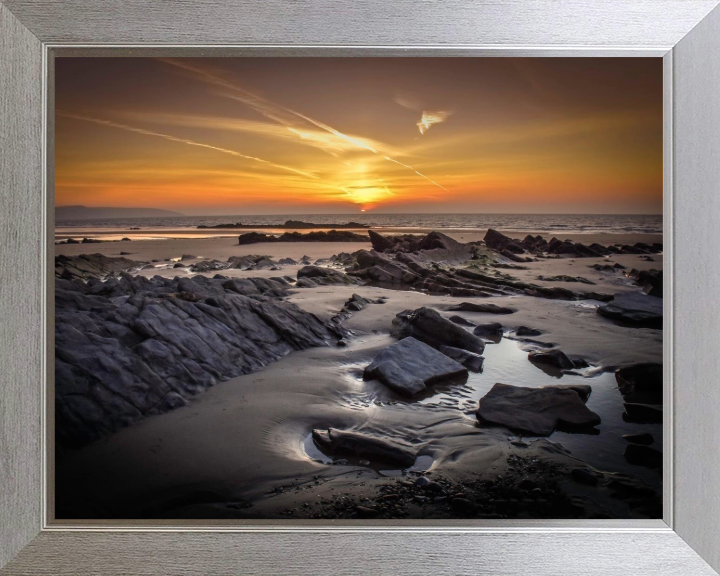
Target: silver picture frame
684	33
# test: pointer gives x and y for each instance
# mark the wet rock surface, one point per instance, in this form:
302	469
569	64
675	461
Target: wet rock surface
538	411
471	361
554	358
631	308
132	346
409	367
428	326
358	444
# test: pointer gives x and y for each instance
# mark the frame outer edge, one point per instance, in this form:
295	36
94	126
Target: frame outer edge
21	270
696	172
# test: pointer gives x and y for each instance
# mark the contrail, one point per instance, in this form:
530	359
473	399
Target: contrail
270	110
183	141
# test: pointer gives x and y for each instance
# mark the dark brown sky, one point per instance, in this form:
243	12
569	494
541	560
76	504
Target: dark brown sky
283	135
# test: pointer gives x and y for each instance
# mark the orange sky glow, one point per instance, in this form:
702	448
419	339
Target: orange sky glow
342	135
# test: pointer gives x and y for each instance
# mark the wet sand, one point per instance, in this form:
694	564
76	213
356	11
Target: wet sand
240	449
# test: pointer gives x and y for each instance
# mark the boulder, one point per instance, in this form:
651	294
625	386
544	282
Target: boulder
491	329
641	383
483	308
634	309
471	361
357	444
554	358
582	390
428	326
525	331
409	367
460	321
536	411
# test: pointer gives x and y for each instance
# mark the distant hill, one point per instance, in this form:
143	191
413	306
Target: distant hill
85	213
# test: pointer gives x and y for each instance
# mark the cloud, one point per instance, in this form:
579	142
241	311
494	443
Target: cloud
430	118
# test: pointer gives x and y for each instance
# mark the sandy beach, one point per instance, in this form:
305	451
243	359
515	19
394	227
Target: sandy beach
243	448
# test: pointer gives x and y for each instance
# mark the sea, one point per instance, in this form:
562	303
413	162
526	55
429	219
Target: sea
541	223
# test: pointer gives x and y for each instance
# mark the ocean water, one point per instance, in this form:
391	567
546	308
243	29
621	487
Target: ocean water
547	223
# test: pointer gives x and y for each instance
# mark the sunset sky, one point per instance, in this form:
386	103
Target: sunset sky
341	135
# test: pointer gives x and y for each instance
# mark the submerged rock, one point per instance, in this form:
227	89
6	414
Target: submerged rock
537	411
555	358
634	309
428	326
357	444
410	366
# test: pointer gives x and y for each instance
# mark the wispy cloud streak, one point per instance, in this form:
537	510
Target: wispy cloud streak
282	114
182	141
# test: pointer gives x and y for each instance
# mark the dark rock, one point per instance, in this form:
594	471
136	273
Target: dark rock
460	321
428	326
422	481
582	390
410	366
643	456
643	413
357	444
538	411
634	309
490	329
287	262
651	281
122	346
583	476
565	278
554	358
366	512
85	266
641	383
325	276
643	439
463	506
187	257
525	331
484	308
471	361
497	241
178	265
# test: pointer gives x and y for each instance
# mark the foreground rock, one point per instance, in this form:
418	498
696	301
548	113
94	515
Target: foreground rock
536	411
428	326
310	276
554	358
357	444
651	281
131	346
634	309
410	367
471	361
87	266
330	236
481	308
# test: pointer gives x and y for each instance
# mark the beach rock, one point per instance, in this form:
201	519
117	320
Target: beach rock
525	331
643	413
460	321
651	281
643	456
325	276
471	361
643	439
565	278
499	242
409	367
537	411
131	346
484	308
315	236
428	326
489	329
641	383
554	358
287	262
634	309
85	266
582	390
358	444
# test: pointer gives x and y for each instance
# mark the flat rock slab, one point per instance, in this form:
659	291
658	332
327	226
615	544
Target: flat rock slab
358	444
410	366
428	326
634	309
536	411
485	308
470	360
582	390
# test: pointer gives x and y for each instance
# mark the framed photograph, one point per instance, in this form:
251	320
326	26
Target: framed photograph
348	288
